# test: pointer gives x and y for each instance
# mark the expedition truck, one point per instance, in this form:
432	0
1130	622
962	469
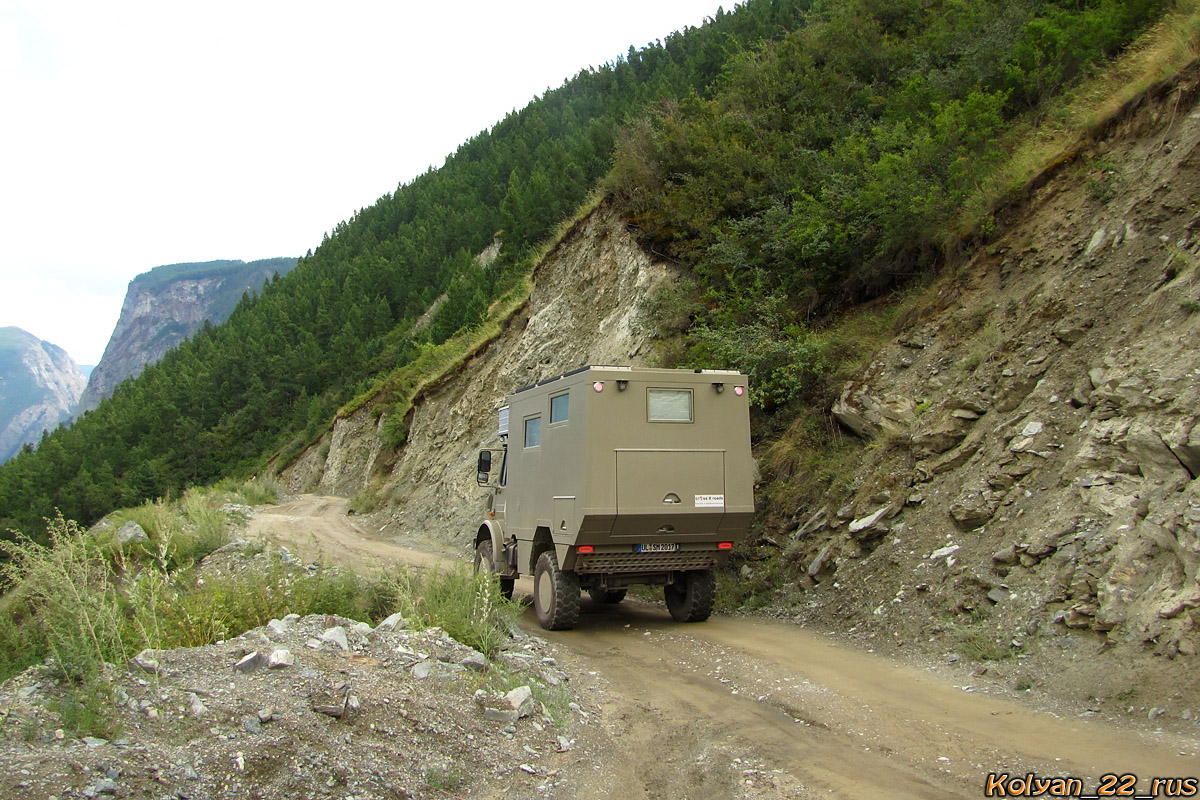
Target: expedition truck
611	477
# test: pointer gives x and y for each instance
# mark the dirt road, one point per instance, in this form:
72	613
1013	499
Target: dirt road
319	528
741	708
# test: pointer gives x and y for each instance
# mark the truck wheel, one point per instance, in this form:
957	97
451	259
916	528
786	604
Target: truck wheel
610	596
555	594
691	598
484	562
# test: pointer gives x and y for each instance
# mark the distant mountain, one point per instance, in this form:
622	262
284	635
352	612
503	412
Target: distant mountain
39	387
165	306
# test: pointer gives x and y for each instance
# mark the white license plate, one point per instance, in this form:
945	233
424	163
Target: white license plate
657	548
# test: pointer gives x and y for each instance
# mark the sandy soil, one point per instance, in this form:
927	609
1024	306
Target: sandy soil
739	707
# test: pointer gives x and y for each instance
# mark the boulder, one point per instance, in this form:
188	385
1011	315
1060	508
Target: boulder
395	622
863	525
521	700
336	635
435	669
1184	442
1154	458
476	662
280	658
944	552
820	561
974	508
146	661
131	533
813	524
940	438
868	415
250	662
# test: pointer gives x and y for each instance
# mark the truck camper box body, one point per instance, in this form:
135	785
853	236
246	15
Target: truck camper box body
630	475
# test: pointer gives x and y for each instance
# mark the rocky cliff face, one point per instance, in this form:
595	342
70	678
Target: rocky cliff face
584	309
1033	488
165	306
39	387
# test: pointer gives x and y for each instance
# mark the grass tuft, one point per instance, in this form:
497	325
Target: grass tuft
469	607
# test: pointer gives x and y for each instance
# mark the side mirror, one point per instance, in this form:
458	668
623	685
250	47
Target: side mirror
484	467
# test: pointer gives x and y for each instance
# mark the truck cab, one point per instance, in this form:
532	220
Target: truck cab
611	477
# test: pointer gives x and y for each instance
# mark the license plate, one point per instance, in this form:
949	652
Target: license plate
657	548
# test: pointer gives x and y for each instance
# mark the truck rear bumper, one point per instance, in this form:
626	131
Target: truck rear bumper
620	560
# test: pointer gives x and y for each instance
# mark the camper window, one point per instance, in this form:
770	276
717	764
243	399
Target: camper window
559	408
670	405
533	431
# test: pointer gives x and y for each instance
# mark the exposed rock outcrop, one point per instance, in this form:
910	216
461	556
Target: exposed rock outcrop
584	309
1057	442
166	305
39	387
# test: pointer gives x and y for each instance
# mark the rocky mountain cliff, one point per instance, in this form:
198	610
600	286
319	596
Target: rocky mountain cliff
1030	494
39	387
585	308
164	306
1027	493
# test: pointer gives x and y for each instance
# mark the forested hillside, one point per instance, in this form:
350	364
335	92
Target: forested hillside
284	362
795	154
845	158
164	306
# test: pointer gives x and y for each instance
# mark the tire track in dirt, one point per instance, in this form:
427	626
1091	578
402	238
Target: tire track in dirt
319	528
743	708
824	720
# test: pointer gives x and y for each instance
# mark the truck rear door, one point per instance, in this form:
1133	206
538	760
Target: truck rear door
669	491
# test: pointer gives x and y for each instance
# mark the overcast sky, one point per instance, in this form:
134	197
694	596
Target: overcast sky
137	134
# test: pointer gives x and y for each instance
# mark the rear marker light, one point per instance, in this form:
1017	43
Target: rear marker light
725	546
598	386
586	548
739	390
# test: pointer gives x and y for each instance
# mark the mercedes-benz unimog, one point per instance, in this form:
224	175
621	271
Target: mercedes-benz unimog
611	477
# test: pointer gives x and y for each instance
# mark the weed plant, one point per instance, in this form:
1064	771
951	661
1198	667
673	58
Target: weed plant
467	606
83	602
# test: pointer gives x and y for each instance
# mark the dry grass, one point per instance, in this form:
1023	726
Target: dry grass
1162	52
811	463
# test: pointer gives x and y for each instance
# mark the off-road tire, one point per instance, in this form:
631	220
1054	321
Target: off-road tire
555	594
485	562
691	598
610	596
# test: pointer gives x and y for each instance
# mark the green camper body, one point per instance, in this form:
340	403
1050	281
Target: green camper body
620	477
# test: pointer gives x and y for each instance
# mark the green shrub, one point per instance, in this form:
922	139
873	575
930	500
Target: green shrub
186	610
21	646
156	517
262	490
364	502
467	606
752	590
70	596
977	646
206	528
449	779
87	710
395	431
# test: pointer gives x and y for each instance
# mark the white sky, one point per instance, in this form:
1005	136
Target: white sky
135	134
